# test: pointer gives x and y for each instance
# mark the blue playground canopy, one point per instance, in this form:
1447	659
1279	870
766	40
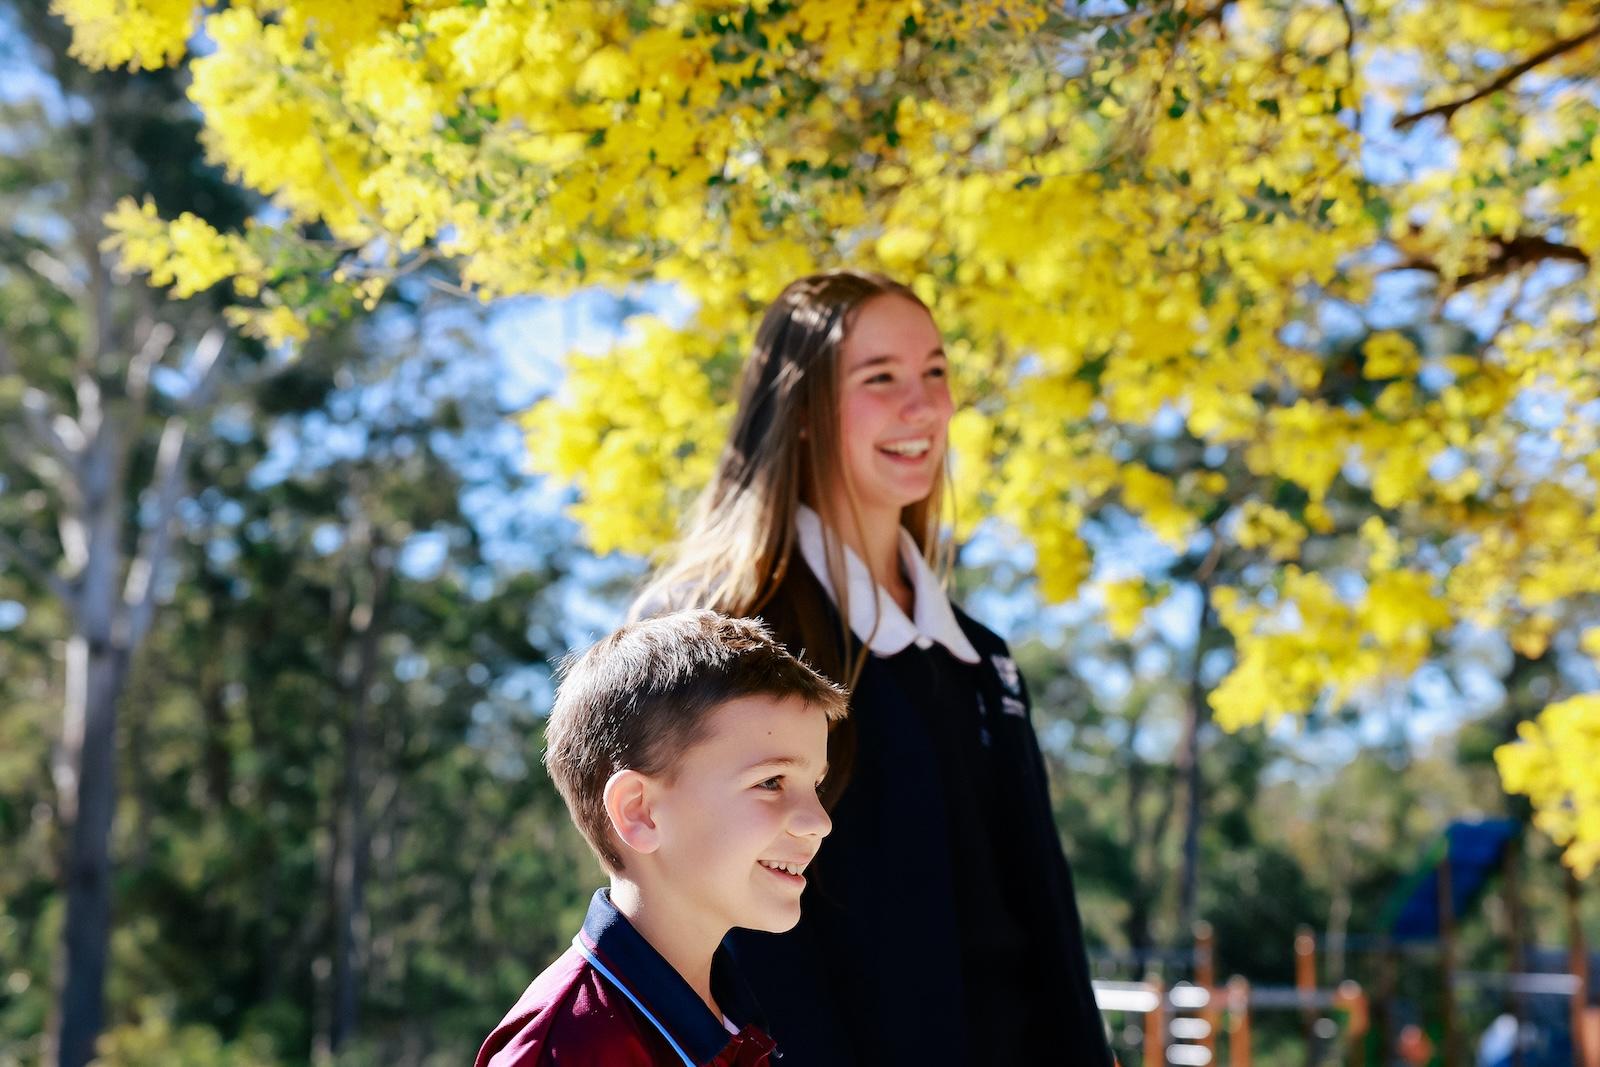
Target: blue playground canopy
1476	851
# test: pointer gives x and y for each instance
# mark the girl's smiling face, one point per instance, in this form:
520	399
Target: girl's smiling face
894	404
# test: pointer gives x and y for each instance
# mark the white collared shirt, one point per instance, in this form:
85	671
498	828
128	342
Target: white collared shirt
933	619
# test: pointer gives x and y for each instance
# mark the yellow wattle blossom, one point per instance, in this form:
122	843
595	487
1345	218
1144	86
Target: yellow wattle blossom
1125	601
1265	527
1308	642
1530	635
186	254
1307	443
1063	562
631	422
134	33
608	74
1402	612
1553	763
1131	239
1590	643
277	325
1153	499
1383	547
1389	355
971	444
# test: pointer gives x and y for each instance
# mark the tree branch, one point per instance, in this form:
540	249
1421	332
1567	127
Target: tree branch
1510	255
55	272
52	431
1350	58
1213	14
202	368
167	481
139	591
155	346
1504	79
37	568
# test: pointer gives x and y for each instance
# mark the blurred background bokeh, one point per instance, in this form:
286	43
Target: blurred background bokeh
294	526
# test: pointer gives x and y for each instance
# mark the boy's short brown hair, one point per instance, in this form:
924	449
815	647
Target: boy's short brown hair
641	697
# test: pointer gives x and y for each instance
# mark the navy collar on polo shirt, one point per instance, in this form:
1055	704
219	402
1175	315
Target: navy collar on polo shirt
655	987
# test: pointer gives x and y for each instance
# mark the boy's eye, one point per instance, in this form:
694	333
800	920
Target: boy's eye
774	783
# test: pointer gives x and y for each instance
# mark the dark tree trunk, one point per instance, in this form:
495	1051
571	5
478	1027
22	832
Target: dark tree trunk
1137	926
1189	769
99	651
354	834
91	753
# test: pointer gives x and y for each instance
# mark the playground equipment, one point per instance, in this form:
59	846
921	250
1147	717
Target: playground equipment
1182	1024
1197	1023
1454	874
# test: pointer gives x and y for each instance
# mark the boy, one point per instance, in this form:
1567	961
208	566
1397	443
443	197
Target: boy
689	749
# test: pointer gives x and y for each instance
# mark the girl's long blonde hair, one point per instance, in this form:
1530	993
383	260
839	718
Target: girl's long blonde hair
737	551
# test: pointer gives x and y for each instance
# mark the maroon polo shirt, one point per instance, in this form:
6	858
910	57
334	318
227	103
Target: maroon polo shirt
611	1000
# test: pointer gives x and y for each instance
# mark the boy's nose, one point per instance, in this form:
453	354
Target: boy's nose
813	820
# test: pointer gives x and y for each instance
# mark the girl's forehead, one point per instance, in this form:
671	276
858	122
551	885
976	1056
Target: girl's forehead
890	325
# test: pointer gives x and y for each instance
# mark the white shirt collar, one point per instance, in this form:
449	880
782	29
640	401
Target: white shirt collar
934	619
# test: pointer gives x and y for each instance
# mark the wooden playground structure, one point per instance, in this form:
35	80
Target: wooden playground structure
1201	1021
1182	1023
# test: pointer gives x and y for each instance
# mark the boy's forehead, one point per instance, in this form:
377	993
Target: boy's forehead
759	718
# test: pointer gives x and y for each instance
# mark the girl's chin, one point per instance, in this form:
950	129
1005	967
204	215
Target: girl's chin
904	493
890	495
880	503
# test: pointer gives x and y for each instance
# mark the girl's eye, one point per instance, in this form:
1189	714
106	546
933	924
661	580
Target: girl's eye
771	784
936	372
879	379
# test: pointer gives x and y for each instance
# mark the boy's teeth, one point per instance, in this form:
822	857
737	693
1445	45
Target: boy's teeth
787	868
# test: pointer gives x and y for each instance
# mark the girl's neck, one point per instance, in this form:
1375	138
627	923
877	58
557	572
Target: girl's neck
876	542
677	937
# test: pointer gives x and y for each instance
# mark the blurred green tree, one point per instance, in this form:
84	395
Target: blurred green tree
102	389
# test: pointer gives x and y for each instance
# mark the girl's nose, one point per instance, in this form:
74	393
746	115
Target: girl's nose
924	398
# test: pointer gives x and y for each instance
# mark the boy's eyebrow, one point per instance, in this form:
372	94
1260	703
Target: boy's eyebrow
781	761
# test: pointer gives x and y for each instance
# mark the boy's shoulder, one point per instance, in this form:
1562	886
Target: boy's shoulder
611	1000
570	1016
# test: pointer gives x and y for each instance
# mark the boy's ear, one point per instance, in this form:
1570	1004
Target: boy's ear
627	799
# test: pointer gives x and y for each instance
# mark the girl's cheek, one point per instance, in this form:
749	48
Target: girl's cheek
860	413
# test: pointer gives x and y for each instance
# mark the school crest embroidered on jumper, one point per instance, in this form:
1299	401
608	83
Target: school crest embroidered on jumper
1010	677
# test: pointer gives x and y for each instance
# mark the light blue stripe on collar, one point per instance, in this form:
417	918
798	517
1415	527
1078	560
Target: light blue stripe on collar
622	987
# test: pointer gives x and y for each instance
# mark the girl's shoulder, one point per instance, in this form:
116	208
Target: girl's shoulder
985	640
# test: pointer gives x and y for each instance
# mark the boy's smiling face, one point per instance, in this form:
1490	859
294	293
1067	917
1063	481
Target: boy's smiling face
738	818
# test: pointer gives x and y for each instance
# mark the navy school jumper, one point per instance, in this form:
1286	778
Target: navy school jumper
940	924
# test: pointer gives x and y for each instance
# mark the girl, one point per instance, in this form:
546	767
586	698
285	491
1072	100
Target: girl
939	925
